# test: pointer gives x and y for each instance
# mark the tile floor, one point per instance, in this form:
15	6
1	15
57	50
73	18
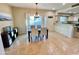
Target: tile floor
56	44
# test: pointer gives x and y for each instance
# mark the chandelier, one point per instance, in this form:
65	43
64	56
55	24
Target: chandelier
36	14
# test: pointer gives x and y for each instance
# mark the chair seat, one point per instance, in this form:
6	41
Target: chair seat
33	38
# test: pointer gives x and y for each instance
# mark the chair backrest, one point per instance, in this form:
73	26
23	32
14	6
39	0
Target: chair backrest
36	31
16	29
33	31
43	31
7	29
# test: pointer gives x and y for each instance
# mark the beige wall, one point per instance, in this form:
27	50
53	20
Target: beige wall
2	52
71	18
50	21
19	19
76	17
20	15
4	8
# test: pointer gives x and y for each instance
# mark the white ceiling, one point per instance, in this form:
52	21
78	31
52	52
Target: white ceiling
47	6
73	10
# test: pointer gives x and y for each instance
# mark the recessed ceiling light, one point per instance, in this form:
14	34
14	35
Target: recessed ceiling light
63	3
53	8
69	12
74	12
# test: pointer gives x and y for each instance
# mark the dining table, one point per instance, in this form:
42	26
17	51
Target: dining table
37	34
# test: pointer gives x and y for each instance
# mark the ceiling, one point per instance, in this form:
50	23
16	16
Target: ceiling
48	6
73	10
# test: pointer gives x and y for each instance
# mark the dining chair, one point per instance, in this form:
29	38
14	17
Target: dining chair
45	32
42	34
37	38
33	35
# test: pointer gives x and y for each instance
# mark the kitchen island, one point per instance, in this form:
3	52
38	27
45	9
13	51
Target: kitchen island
64	29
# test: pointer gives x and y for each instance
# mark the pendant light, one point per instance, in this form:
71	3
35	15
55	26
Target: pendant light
36	14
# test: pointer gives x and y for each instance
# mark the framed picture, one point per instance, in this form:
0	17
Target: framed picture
5	17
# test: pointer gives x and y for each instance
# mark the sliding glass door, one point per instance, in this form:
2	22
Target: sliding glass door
33	21
37	22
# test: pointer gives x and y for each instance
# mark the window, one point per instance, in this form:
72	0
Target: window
63	19
35	21
38	21
31	20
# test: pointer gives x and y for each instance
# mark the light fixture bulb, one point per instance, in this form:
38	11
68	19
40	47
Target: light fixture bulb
69	12
36	14
53	8
63	3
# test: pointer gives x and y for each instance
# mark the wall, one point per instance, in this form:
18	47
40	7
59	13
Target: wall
50	21
76	17
4	8
21	15
19	19
71	18
2	52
